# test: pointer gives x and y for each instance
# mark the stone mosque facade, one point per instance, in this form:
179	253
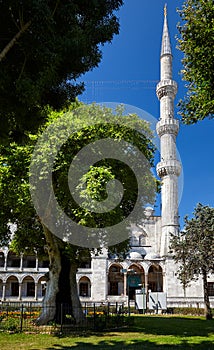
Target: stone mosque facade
148	268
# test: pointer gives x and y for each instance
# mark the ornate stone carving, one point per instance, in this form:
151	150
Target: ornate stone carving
167	126
169	167
167	87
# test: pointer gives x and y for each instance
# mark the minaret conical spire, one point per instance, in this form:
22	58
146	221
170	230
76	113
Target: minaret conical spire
166	46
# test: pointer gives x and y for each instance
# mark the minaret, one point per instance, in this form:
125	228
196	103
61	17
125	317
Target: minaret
168	169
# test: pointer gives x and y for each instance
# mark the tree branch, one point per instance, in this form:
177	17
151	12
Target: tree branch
57	4
9	46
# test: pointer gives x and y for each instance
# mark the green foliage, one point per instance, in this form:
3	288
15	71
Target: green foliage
194	249
194	311
91	123
16	207
57	42
10	324
196	42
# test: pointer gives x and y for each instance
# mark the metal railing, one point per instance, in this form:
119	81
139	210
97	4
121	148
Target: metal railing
18	317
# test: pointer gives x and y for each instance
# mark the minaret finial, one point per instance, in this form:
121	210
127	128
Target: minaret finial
165	10
166	47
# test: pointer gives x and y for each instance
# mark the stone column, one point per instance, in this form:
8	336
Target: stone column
125	284
21	261
3	291
37	263
36	291
20	291
5	261
164	281
146	283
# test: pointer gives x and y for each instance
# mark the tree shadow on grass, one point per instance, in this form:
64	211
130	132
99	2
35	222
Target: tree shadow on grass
175	326
135	345
166	329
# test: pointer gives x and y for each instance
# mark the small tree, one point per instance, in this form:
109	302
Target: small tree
194	250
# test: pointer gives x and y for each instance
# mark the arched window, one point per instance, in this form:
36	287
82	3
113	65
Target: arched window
135	279
115	280
84	287
12	287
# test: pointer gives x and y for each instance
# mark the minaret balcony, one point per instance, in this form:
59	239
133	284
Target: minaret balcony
166	87
167	126
168	167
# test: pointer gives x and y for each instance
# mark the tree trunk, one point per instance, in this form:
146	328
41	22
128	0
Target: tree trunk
207	308
63	298
75	301
49	302
61	294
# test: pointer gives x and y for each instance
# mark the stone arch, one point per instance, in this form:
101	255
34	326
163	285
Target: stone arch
84	286
40	277
155	278
12	286
145	266
115	279
135	279
119	265
12	277
27	276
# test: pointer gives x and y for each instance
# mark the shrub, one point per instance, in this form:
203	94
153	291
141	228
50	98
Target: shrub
10	324
194	311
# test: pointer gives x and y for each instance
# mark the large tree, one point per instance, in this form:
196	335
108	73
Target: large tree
34	230
194	250
196	41
44	47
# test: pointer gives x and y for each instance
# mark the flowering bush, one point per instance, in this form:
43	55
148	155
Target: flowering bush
17	314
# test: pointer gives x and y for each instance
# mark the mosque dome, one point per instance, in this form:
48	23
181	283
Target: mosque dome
149	211
135	256
152	256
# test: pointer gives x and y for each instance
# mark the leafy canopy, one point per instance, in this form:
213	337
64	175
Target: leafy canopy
15	162
196	42
45	46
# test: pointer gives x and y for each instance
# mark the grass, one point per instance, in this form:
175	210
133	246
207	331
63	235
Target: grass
146	332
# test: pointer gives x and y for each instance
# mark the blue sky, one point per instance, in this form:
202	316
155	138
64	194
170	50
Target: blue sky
128	74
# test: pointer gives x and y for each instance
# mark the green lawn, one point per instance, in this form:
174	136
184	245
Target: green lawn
146	332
